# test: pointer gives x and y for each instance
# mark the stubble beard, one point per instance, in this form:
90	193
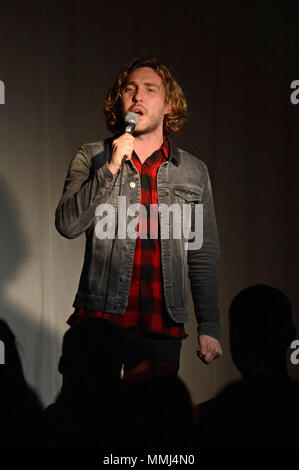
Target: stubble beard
153	125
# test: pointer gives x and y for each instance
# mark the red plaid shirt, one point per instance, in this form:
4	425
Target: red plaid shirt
146	304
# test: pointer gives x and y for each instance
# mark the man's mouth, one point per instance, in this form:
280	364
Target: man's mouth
138	111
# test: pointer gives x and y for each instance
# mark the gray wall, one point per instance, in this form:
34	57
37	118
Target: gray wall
235	64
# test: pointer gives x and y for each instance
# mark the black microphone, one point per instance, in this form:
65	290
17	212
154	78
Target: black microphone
131	121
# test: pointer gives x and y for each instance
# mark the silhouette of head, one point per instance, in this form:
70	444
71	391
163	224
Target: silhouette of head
158	407
20	408
13	365
261	330
92	351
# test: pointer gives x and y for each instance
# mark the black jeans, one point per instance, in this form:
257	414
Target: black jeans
142	345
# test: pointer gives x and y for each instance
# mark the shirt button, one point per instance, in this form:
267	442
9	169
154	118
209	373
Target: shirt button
132	184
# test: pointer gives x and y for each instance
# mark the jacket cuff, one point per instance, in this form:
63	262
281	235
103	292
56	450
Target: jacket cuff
210	329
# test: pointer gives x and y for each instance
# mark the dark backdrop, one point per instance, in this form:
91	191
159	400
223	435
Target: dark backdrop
235	62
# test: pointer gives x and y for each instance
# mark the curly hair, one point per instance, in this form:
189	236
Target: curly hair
173	122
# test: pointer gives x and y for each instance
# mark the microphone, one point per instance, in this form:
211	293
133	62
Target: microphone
131	121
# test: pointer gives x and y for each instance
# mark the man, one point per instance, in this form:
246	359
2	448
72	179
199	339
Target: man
141	284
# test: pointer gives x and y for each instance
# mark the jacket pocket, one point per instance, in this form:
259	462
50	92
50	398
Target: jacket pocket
188	195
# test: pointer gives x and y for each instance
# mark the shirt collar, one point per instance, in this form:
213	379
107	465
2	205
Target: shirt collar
169	148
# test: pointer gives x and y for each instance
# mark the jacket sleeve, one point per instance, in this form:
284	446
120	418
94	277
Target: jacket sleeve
82	193
204	269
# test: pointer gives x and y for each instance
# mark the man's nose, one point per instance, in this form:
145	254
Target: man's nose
137	95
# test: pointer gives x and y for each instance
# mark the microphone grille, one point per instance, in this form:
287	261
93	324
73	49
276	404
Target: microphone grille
132	118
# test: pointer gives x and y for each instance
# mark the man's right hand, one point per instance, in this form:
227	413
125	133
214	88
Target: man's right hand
123	145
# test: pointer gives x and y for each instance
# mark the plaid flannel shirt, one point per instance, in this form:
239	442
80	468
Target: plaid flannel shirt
146	303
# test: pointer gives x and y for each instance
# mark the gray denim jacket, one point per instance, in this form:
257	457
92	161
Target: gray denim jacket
108	263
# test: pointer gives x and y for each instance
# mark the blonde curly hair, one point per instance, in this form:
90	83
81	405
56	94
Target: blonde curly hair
173	122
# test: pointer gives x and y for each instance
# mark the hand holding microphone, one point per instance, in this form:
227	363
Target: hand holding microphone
123	146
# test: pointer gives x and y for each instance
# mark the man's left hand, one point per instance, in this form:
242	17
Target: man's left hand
209	348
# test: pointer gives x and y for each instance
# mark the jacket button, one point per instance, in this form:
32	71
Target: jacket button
132	184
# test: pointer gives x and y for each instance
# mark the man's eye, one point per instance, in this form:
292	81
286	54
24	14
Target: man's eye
129	89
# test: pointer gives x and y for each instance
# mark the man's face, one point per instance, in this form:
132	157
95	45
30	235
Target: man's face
144	94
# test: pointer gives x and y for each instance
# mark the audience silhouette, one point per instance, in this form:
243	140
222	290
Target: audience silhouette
20	408
150	408
85	412
158	413
259	412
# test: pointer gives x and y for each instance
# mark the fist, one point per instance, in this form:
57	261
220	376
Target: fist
122	146
209	348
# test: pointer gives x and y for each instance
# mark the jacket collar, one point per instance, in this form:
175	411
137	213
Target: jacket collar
174	154
103	157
